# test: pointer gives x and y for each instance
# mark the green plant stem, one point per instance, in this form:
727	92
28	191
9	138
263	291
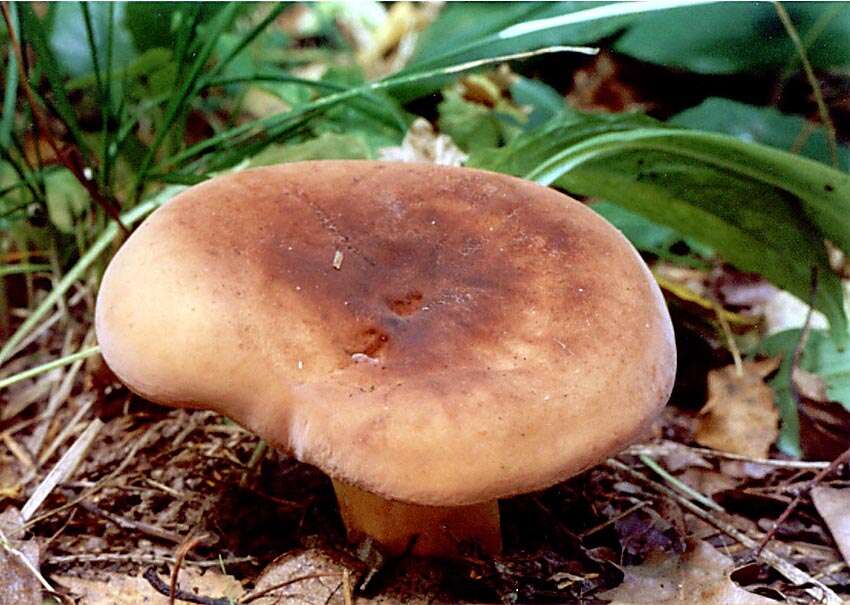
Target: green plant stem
823	110
676	483
50	365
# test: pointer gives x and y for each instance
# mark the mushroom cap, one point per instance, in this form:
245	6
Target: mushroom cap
434	335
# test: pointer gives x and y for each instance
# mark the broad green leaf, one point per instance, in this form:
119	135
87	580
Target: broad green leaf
659	240
152	24
761	209
732	37
66	199
467	32
762	125
69	39
460	22
543	101
821	356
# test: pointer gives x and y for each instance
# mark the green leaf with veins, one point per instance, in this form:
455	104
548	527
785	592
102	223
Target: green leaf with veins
762	209
764	125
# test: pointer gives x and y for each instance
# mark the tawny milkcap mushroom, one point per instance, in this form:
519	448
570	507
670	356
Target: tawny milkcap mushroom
433	338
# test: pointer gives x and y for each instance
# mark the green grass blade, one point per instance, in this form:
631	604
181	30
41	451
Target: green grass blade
50	365
22	268
244	42
100	245
11	89
179	101
34	30
245	133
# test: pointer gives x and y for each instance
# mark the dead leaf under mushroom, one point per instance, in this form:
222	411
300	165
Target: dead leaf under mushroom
121	589
699	576
740	416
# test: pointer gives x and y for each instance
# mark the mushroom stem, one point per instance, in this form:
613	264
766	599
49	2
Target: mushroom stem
423	530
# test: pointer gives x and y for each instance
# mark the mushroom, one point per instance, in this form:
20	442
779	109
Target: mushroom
433	338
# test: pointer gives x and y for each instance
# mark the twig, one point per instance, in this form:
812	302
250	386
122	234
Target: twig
347	591
181	595
87	404
121	557
253	596
184	549
613	519
823	111
820	592
842	459
668	447
66	466
140	526
56	400
97	486
801	342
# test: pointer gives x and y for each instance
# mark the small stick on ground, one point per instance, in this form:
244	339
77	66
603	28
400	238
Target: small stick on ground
253	596
63	470
122	557
842	459
183	550
668	447
139	526
181	595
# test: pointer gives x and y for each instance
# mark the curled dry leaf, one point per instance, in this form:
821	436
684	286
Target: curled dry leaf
119	589
422	144
699	576
740	415
834	506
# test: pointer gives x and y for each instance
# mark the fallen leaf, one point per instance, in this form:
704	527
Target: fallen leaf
834	506
119	589
19	584
422	144
740	415
305	577
699	576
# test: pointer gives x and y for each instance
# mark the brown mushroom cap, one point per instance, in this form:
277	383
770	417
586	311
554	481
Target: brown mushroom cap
435	335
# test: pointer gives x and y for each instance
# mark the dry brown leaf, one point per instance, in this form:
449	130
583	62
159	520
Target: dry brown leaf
740	416
118	589
306	577
834	506
422	144
19	584
698	577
